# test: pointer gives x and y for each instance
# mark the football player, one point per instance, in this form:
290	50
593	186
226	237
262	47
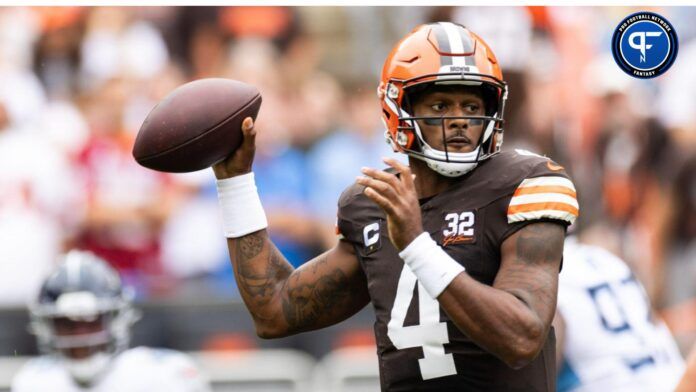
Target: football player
459	252
82	320
608	337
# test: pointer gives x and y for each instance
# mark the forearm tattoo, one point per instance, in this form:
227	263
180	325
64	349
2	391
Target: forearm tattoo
271	288
250	246
260	267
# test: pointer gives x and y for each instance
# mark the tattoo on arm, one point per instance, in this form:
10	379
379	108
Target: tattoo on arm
532	276
258	280
539	243
250	246
305	301
319	293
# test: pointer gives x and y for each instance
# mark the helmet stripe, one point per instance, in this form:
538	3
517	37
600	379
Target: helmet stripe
468	44
443	44
459	42
73	262
455	42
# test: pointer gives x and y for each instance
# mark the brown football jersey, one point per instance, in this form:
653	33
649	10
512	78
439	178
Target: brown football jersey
419	348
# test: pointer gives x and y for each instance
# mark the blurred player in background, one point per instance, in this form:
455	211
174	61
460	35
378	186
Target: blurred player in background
82	320
459	253
608	336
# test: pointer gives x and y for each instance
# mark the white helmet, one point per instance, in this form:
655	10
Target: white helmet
83	289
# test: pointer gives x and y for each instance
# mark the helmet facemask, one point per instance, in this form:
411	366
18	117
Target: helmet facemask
446	162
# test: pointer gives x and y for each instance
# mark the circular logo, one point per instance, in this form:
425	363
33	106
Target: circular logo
644	45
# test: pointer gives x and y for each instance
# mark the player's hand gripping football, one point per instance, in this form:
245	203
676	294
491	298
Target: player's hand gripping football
240	161
398	198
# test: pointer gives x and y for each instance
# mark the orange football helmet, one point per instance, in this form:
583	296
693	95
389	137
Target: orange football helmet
442	53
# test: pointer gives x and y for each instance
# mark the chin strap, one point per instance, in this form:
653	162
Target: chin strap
450	169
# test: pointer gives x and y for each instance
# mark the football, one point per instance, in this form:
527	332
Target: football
196	125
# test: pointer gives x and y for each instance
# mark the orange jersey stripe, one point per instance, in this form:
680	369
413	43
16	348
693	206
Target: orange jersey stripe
545	189
541	207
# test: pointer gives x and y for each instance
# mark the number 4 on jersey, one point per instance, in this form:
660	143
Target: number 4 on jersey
430	333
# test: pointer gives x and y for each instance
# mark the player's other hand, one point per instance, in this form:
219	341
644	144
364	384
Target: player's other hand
240	161
398	198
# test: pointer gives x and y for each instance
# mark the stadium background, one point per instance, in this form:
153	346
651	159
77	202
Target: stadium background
76	83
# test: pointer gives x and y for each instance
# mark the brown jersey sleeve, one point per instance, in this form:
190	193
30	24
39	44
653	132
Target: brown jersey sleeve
543	191
359	220
546	193
345	217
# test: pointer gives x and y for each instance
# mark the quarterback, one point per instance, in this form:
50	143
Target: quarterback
458	252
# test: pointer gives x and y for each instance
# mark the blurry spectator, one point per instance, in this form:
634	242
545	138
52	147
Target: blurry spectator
276	24
19	30
22	96
677	98
33	170
57	52
207	52
115	45
4	118
301	103
282	175
62	124
678	289
143	95
194	40
29	241
681	234
335	160
127	204
319	105
509	29
631	164
40	201
190	247
367	24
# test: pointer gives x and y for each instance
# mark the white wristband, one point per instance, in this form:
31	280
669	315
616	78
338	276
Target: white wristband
242	212
433	267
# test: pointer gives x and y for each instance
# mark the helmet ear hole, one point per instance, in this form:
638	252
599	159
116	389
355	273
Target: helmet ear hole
402	139
413	95
490	99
